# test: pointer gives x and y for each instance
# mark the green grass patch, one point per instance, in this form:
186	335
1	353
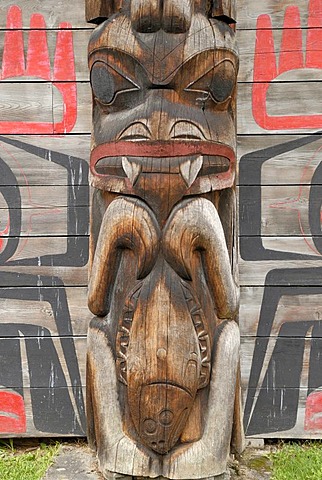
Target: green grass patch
298	462
25	463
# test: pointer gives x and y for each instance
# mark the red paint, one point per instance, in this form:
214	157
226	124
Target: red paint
13	61
12	412
63	76
313	412
160	149
267	67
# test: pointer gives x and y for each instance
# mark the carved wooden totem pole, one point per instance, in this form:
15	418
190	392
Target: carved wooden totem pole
163	350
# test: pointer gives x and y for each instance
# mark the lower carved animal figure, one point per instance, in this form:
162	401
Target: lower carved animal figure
163	361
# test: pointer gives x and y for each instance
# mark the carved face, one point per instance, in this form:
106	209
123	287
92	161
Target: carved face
164	104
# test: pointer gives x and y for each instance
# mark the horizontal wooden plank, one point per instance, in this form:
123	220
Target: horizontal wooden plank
38	304
254	273
279	210
279	159
76	65
45	108
280	107
281	353
71	276
281	110
42	412
281	309
260	47
47	256
282	384
41	361
50	221
44	160
249	10
246	43
22	102
46	303
53	11
44	196
286	414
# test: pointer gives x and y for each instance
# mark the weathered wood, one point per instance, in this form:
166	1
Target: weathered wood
39	305
275	305
278	106
38	413
96	11
41	359
163	263
302	428
49	43
279	160
69	275
284	380
53	11
44	196
248	12
284	210
254	273
50	221
51	160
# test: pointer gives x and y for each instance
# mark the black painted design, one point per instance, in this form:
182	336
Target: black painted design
53	403
250	214
272	406
12	197
43	362
78	219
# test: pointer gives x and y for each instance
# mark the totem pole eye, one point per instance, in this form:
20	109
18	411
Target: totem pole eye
219	82
107	83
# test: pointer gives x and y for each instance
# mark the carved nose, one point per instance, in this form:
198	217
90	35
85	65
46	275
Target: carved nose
173	16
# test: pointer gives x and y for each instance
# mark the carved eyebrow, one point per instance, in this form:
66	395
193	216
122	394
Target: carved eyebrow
111	59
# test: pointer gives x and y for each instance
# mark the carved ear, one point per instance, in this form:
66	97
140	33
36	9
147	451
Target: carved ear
99	10
224	10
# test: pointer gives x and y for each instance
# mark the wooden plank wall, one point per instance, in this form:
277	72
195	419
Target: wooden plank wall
280	181
45	117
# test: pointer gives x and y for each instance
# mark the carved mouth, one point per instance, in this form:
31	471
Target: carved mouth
188	167
189	159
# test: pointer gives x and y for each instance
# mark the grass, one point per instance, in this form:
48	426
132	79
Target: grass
23	463
297	461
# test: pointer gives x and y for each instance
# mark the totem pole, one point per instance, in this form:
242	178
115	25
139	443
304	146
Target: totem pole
163	389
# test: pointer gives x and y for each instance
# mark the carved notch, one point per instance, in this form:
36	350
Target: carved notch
97	11
224	10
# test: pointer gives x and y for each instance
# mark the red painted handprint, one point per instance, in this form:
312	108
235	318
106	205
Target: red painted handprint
267	69
37	64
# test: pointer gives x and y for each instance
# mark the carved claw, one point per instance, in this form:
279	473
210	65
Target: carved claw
127	224
195	226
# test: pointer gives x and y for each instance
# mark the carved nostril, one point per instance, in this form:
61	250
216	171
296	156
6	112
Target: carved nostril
146	15
177	15
162	353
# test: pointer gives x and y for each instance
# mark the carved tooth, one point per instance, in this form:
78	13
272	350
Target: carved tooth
189	170
132	169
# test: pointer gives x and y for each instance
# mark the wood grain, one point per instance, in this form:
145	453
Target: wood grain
14	300
58	422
